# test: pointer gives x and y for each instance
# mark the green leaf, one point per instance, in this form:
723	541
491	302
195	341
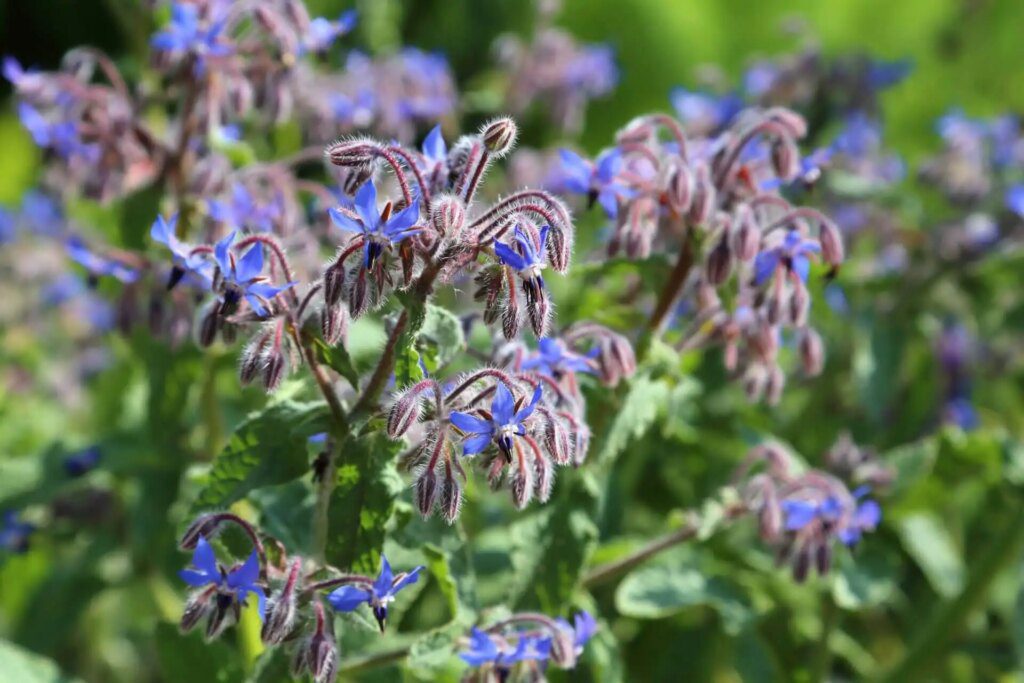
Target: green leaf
931	546
442	330
24	666
363	499
639	411
187	658
432	657
658	591
551	549
338	359
268	448
433	336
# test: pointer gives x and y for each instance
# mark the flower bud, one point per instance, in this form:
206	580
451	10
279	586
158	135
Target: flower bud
205	526
785	158
679	192
404	413
538	309
746	236
812	352
718	265
559	246
774	386
754	380
426	492
451	498
556	441
196	608
543	478
770	517
273	369
358	152
448	216
704	196
499	135
333	324
511	317
358	300
794	123
521	486
251	360
280	618
208	326
224	612
831	243
334	283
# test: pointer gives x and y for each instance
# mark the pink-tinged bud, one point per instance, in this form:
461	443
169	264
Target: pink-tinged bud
831	243
358	300
754	381
334	324
770	518
208	326
823	558
521	487
322	658
206	526
334	283
812	352
707	298
557	442
679	193
718	265
560	240
405	412
802	564
197	607
451	498
794	123
581	437
281	612
511	317
799	304
538	309
774	386
499	135
251	360
448	216
356	153
543	478
785	158
224	612
704	196
490	281
746	236
295	10
274	370
637	131
563	648
426	492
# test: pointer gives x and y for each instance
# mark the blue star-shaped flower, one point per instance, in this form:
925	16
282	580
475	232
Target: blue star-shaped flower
793	253
98	265
554	359
243	278
185	263
184	34
381	593
323	32
502	424
377	233
60	136
595	180
1014	199
484	650
238	583
710	112
583	628
799	513
526	258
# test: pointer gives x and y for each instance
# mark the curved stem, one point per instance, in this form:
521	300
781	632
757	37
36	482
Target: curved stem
670	292
612	570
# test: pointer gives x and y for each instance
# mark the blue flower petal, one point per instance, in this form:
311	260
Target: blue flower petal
348	598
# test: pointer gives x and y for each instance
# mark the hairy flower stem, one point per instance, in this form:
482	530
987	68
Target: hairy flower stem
948	618
321	507
670	292
610	571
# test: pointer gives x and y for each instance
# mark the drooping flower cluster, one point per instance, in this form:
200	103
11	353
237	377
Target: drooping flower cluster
284	594
803	513
507	652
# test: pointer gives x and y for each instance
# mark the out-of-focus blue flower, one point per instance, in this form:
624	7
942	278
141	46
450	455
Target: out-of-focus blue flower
485	650
593	71
885	74
793	253
847	522
64	288
19	77
960	411
82	462
435	151
8	227
185	263
14	534
244	277
377	233
238	583
504	424
357	111
430	100
960	131
703	110
60	136
41	214
598	180
583	628
97	265
1006	142
378	595
860	136
760	78
185	35
554	359
242	210
1014	199
323	32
